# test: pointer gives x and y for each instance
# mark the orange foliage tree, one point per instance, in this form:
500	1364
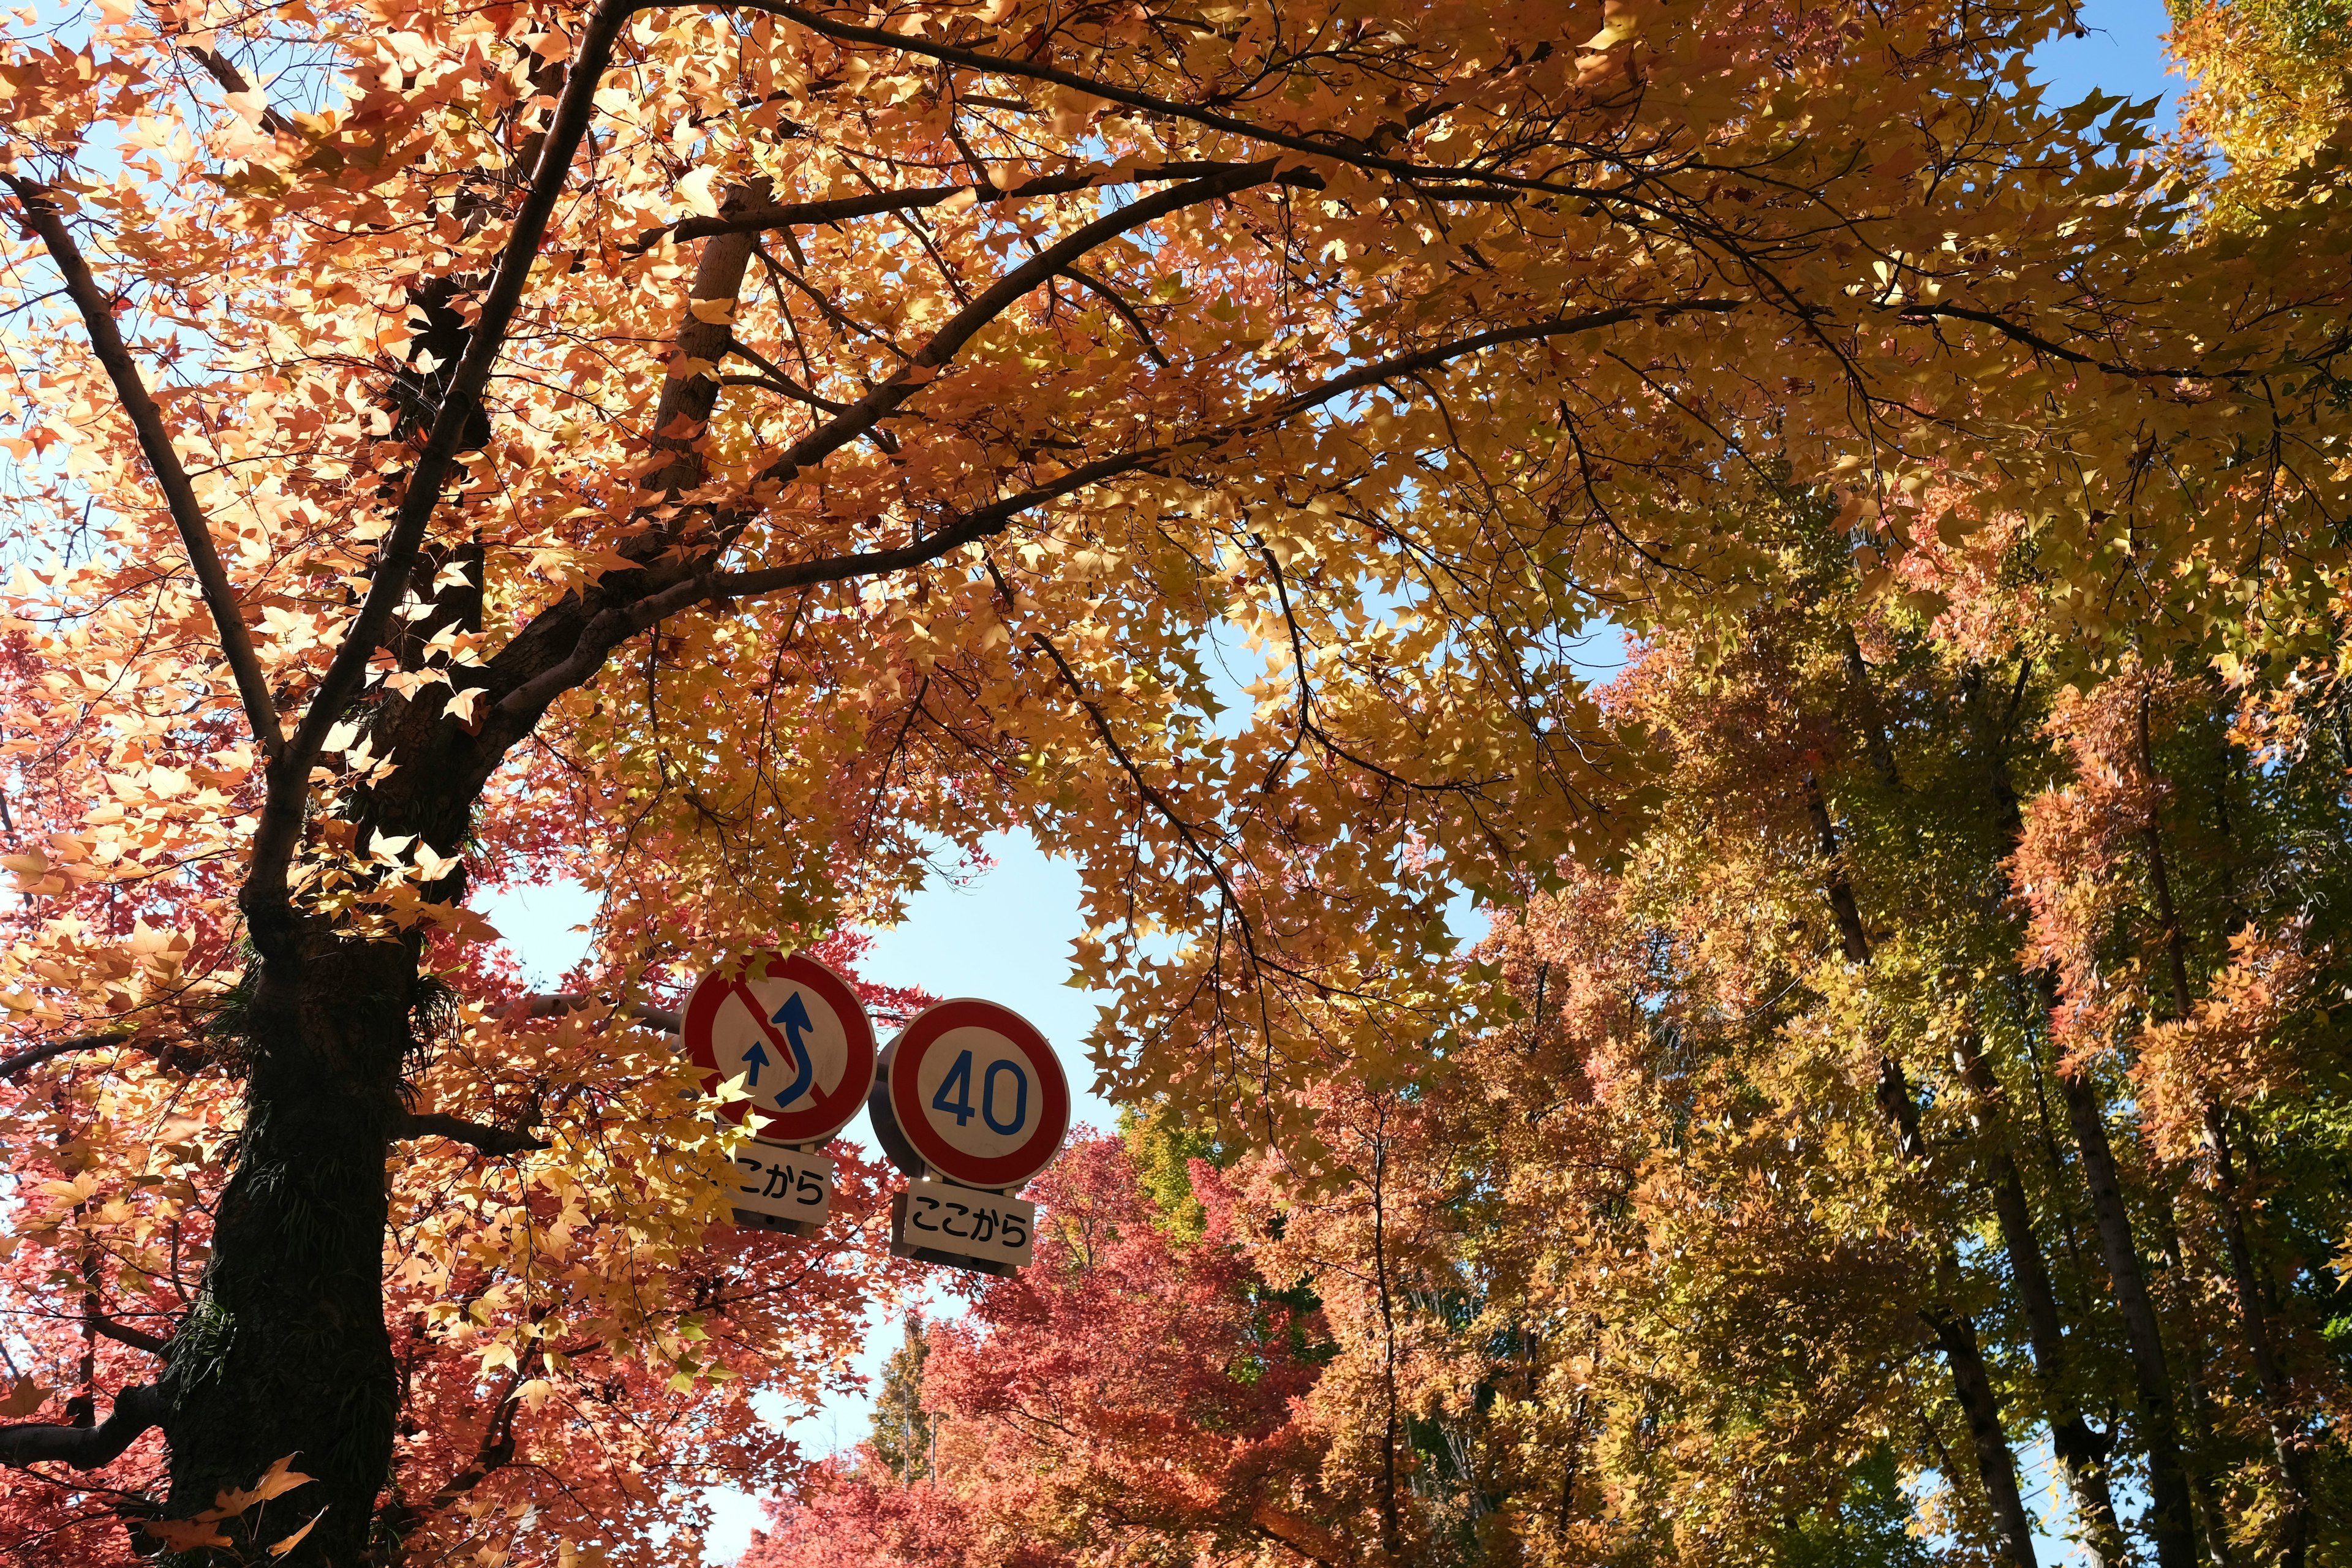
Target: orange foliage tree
719	453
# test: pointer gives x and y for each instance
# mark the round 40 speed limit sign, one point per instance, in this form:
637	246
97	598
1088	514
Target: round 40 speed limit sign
796	1035
970	1090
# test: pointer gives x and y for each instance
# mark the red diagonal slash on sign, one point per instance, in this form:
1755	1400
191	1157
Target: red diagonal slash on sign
792	1051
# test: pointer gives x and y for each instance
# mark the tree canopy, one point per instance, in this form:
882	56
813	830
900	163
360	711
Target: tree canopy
735	456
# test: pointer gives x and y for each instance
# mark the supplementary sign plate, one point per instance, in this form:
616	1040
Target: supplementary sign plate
941	1223
970	1091
778	1187
796	1035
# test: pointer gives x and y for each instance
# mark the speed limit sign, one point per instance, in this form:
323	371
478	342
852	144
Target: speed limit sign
970	1091
796	1035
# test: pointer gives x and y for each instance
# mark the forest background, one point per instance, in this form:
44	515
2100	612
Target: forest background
950	941
1906	1039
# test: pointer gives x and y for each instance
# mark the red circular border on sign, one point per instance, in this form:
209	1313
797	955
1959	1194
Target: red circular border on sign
1004	1172
830	1113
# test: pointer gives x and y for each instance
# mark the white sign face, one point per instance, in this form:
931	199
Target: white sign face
977	1091
781	1188
793	1033
972	1092
941	1223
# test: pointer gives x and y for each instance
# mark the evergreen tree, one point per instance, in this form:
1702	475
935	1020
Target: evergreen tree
902	1428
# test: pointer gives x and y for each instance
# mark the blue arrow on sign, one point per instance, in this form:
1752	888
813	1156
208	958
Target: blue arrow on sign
758	1056
794	1016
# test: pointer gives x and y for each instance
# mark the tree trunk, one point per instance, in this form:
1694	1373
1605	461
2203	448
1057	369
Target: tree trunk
2082	1453
2012	1529
2253	1316
2168	1516
2253	1319
1995	1465
286	1353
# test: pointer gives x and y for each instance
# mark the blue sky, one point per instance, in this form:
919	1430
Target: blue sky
1007	934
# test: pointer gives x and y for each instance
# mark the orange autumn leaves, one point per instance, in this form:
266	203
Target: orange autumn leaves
887	422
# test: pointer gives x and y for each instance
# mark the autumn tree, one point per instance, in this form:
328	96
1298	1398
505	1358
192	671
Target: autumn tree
722	454
578	1352
1136	1390
902	1438
1897	1102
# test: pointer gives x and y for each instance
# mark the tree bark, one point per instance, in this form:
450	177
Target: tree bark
2254	1319
286	1353
2168	1519
1851	936
1956	1334
2082	1453
137	1411
1874	737
2012	1528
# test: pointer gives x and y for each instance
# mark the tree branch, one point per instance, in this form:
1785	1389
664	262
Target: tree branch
47	219
1921	314
1111	92
136	1411
171	1053
233	80
1126	311
35	1056
609	627
982	521
960	327
279	831
834	209
123	1333
458	1130
561	1003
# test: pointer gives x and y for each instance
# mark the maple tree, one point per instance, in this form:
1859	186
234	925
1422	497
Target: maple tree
1137	1385
1948	1067
721	455
578	1350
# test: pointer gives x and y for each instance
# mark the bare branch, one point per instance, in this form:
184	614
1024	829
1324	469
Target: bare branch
137	1410
44	218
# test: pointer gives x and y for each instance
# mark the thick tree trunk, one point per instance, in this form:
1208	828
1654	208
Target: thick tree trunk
2082	1453
286	1353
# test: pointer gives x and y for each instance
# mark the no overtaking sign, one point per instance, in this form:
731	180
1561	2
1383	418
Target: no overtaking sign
795	1036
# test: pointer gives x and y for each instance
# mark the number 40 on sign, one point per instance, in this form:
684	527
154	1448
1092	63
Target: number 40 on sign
972	1103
